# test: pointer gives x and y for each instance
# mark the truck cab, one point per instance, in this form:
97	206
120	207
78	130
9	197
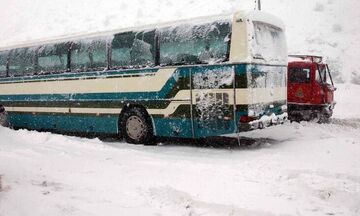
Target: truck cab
310	89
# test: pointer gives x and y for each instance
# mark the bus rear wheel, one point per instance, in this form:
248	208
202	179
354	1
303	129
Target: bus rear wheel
3	117
136	127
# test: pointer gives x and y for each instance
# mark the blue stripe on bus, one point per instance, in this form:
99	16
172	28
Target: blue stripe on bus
183	72
239	68
165	127
73	123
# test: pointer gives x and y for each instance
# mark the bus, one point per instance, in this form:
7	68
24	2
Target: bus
197	78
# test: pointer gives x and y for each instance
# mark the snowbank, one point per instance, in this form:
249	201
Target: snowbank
292	169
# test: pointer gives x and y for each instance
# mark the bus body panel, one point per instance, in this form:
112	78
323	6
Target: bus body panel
70	123
170	107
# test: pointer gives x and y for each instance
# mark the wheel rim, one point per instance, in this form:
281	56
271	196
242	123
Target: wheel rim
3	120
315	117
135	127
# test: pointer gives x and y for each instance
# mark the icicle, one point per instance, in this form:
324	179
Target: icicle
257	5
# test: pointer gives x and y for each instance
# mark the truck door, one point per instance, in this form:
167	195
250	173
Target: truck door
326	83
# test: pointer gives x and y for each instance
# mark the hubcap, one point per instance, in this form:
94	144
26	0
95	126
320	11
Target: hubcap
135	127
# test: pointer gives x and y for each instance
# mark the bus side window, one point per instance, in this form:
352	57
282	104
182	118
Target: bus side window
187	44
53	58
22	62
133	49
88	54
217	39
299	75
120	49
142	52
3	63
99	54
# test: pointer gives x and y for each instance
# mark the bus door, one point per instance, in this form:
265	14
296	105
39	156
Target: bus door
212	96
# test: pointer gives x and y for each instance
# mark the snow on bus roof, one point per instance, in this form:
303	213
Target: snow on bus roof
265	18
110	33
251	15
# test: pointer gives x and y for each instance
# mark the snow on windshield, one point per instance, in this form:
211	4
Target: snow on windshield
269	43
273	79
190	44
214	78
209	104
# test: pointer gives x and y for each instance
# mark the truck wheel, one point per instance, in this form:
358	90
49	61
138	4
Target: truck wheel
325	120
136	127
326	115
315	117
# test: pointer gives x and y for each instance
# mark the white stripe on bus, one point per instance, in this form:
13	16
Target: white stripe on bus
99	85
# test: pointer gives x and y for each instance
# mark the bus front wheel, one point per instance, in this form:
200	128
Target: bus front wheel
136	127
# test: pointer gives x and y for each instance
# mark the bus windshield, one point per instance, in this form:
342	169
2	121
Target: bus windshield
269	43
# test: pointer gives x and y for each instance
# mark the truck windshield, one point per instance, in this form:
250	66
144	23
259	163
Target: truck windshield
323	75
269	43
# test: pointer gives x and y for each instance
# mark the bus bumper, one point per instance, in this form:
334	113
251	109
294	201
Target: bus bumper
263	122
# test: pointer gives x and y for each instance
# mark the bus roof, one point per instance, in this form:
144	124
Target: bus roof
247	15
261	16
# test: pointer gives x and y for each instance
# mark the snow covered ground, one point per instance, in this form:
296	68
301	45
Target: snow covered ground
292	169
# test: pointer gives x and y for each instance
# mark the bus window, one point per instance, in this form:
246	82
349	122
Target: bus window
269	43
88	54
133	49
299	75
187	44
3	63
217	42
258	80
22	62
121	45
53	58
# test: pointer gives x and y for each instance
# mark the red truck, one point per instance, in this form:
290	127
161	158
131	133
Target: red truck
310	89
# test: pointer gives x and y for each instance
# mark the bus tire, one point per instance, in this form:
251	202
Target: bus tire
3	117
136	127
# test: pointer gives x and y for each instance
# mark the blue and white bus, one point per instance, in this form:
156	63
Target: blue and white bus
196	78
